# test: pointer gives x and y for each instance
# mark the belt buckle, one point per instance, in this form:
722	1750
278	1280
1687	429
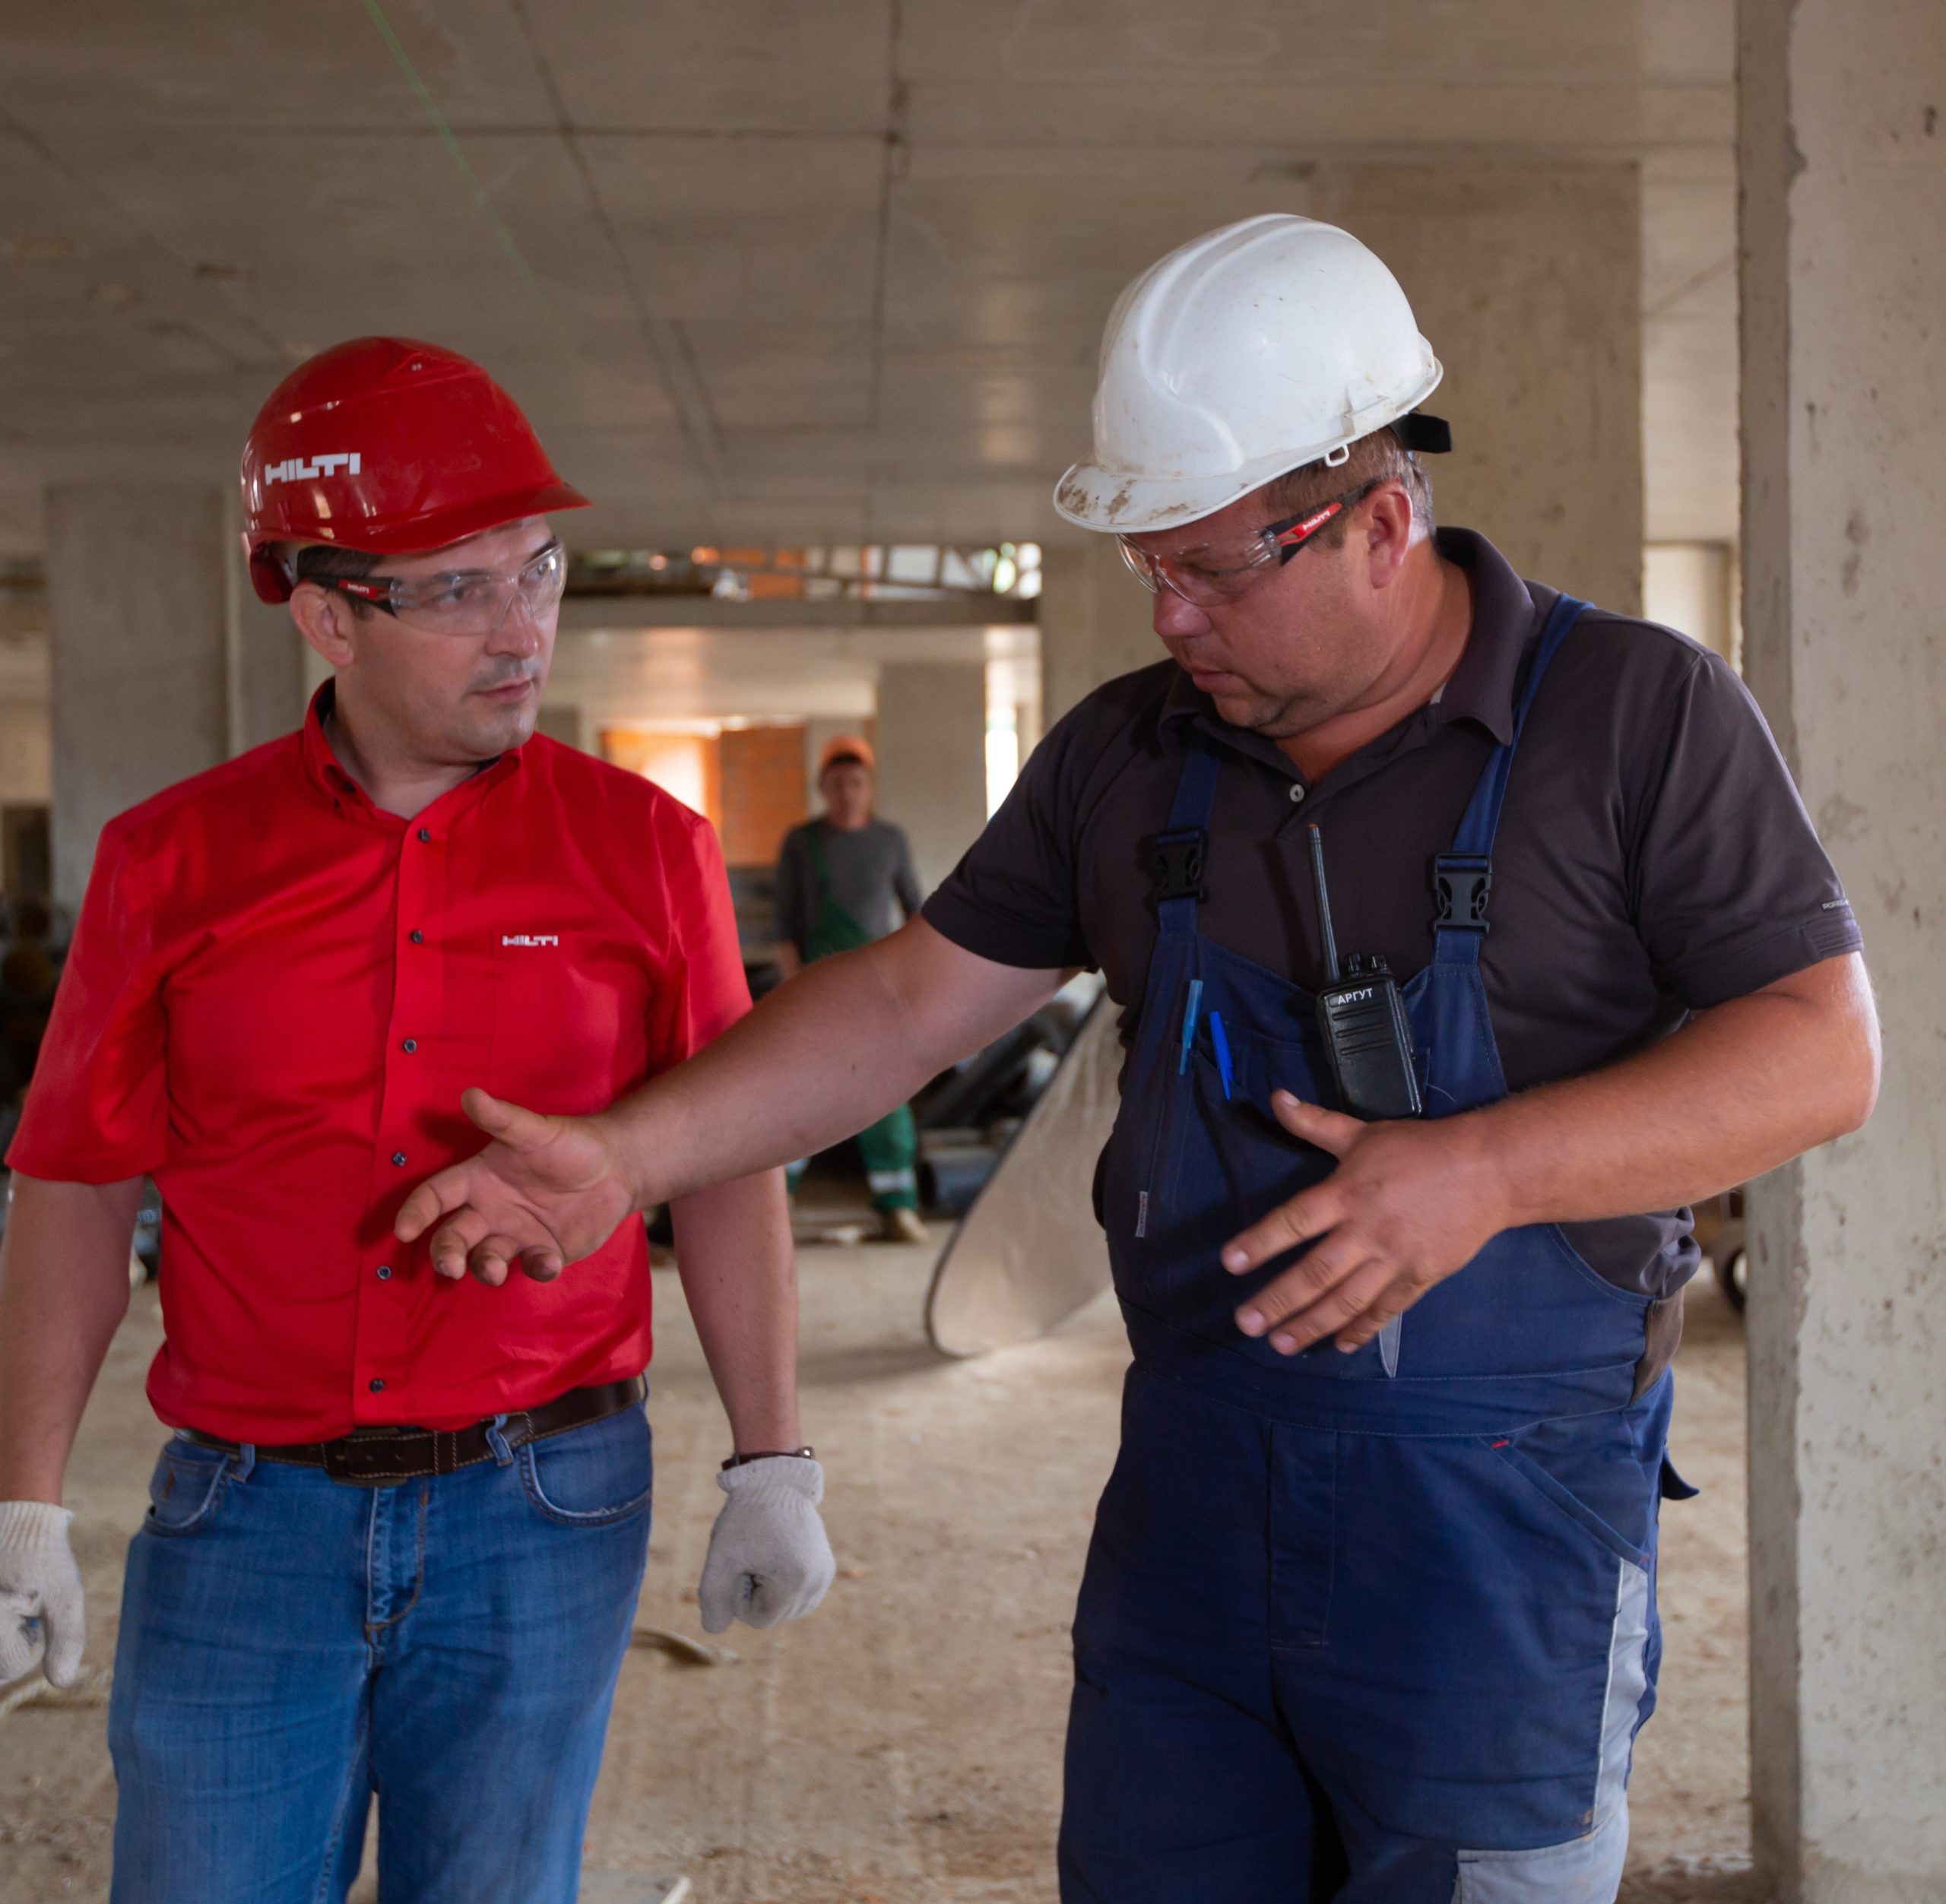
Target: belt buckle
379	1459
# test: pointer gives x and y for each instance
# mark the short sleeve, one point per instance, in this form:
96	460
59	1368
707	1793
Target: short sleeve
705	992
1013	897
97	1111
1732	888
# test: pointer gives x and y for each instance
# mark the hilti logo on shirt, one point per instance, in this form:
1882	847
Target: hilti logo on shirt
294	469
530	938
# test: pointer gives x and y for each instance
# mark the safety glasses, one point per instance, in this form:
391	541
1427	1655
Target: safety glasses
462	601
1220	571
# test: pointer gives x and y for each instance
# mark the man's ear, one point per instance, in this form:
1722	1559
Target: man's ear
1388	531
323	617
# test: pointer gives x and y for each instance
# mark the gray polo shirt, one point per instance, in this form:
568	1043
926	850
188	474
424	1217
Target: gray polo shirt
869	869
1653	856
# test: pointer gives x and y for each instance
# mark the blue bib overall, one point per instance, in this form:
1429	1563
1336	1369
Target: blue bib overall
1377	1627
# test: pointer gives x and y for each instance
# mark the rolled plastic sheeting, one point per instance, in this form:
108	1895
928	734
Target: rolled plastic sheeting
1029	1253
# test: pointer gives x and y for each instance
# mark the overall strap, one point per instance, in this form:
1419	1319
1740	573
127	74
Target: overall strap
1462	877
1182	847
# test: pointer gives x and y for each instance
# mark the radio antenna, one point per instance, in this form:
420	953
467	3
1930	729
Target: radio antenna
1323	903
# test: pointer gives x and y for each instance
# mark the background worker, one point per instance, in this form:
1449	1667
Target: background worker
837	877
1368	1612
396	1540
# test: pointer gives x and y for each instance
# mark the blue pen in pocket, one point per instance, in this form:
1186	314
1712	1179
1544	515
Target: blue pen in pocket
1189	1024
1221	1046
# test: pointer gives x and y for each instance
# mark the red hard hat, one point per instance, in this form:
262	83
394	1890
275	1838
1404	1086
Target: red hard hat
384	444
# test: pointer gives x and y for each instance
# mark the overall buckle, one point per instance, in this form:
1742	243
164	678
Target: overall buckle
1178	861
1461	883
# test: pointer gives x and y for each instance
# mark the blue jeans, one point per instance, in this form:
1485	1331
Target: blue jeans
292	1645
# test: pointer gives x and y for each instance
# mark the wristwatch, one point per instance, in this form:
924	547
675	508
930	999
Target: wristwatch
768	1454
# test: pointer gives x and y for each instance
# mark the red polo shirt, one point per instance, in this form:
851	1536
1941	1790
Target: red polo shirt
276	995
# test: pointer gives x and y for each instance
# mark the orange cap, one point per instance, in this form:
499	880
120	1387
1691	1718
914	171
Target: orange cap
846	746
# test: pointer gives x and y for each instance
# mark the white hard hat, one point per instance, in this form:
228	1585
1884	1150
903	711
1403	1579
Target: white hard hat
1246	353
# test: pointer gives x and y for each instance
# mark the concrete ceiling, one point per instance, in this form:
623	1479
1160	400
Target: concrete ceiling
764	271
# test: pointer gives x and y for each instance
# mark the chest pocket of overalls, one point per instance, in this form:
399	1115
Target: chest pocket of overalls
1259	1163
1222	1162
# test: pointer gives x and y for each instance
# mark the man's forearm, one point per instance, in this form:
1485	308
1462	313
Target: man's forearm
733	1246
822	1058
64	1288
1742	1088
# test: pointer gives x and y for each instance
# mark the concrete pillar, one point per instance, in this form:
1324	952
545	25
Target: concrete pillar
1095	623
264	654
1843	157
139	613
931	739
1527	278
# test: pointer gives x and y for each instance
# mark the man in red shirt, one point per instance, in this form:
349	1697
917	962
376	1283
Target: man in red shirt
398	1535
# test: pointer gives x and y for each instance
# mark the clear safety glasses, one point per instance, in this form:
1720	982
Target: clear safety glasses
1220	571
463	601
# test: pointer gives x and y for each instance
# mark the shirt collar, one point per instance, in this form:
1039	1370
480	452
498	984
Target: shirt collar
322	767
1482	688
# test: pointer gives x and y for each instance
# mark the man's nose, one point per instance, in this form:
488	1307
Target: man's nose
1176	619
521	632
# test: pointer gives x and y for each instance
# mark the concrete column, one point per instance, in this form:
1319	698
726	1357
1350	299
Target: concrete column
1527	278
1095	623
1843	157
263	654
138	620
931	739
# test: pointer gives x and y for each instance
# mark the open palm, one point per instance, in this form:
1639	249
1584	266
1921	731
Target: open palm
545	1192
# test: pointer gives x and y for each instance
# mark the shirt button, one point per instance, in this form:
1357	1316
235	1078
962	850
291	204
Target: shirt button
399	1157
384	1272
377	1384
410	1045
425	833
418	937
1296	793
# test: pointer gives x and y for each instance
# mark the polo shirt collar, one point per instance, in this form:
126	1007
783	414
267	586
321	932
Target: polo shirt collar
324	770
1482	688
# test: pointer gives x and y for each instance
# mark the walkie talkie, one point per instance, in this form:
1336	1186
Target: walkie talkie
1362	1020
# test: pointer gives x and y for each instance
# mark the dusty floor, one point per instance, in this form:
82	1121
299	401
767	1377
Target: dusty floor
903	1747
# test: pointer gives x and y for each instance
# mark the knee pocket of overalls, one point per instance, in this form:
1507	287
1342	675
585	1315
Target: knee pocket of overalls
1582	1871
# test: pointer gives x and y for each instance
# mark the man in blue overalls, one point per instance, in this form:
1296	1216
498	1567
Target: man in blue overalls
1369	1611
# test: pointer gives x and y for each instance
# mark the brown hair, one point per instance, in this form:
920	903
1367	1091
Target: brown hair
1380	457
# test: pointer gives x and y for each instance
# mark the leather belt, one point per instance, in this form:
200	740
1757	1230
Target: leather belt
378	1457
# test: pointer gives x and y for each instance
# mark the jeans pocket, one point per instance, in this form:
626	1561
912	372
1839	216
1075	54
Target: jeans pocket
186	1488
593	1476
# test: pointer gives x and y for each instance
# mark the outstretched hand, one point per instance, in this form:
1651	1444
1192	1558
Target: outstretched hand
545	1192
1409	1204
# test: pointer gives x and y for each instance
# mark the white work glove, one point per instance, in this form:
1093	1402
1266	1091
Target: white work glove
768	1559
39	1582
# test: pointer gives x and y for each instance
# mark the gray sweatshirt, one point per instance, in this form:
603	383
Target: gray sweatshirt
869	869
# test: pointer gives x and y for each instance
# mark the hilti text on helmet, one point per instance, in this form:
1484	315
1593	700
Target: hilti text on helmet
295	468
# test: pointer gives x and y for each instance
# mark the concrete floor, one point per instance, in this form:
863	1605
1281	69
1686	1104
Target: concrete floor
903	1747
